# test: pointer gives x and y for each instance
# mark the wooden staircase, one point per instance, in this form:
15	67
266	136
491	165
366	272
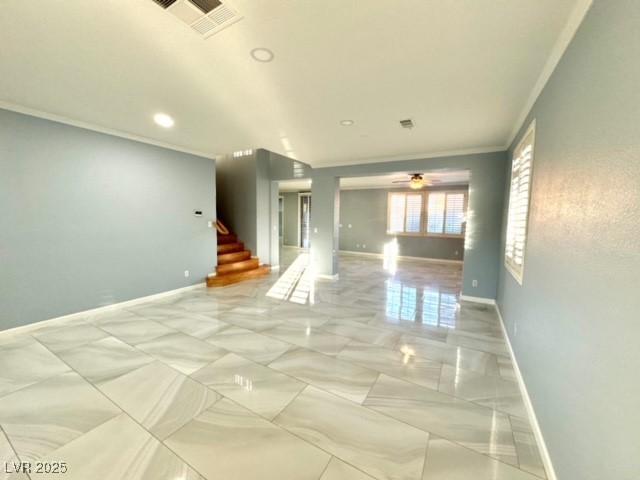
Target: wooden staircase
235	264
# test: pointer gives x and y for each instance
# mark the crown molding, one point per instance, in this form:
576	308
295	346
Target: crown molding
566	35
97	128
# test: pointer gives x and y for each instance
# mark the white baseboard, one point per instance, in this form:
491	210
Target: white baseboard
106	308
403	257
542	446
486	301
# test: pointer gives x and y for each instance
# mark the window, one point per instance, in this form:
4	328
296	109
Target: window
438	213
518	214
405	213
445	213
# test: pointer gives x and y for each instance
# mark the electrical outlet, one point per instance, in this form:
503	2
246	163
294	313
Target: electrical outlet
474	283
364	245
349	225
186	273
210	224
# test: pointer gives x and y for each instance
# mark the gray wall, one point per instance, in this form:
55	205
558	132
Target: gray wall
290	218
486	195
88	219
366	211
574	323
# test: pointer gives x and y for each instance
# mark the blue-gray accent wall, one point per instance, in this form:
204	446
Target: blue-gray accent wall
574	324
368	233
88	219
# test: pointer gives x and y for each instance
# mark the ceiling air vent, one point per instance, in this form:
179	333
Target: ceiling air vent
408	123
165	3
206	17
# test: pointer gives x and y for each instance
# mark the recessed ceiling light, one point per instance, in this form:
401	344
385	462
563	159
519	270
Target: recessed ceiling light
347	123
163	120
263	55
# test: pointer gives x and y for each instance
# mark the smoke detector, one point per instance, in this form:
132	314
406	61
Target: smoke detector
206	17
408	123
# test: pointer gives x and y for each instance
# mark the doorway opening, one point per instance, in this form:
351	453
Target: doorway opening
305	219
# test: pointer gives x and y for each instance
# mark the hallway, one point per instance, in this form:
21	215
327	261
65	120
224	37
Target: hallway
386	375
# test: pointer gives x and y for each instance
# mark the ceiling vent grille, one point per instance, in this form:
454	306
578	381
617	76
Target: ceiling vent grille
408	123
207	17
165	3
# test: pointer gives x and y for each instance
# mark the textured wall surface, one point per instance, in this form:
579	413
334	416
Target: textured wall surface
88	219
574	323
366	211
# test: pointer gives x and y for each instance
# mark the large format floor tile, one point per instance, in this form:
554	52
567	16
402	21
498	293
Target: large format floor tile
159	398
362	332
195	325
229	442
359	383
50	414
478	428
491	391
25	362
308	337
119	450
182	352
136	331
448	461
393	362
9	463
527	448
57	339
342	378
376	444
338	470
104	359
254	386
251	345
474	360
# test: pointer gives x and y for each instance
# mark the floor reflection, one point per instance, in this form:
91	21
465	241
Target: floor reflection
296	284
427	305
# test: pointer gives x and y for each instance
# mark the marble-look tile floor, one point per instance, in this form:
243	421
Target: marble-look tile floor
382	374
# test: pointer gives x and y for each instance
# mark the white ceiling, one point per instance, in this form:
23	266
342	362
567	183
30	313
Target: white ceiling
463	70
438	178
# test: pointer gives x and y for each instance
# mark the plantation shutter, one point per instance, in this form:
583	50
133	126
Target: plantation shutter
518	214
396	212
454	214
435	212
413	213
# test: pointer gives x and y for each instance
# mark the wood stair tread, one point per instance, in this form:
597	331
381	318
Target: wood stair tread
235	277
224	239
224	258
230	247
240	266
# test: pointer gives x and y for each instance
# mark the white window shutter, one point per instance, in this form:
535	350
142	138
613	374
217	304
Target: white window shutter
518	214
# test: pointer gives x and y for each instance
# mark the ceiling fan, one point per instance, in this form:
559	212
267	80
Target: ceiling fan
416	181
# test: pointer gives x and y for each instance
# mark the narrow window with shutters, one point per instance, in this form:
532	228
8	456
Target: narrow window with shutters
446	213
518	213
413	218
395	221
